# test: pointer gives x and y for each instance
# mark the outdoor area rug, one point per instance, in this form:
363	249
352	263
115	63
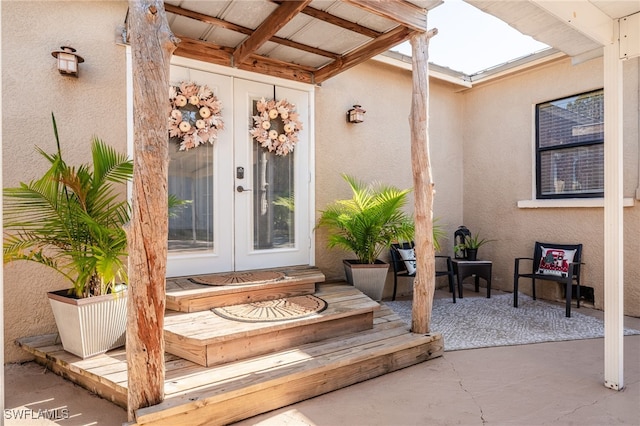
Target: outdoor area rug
478	322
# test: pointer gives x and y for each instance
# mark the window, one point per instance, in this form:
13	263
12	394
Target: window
570	147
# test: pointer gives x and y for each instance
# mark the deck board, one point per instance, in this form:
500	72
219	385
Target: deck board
208	339
198	395
274	388
208	327
186	296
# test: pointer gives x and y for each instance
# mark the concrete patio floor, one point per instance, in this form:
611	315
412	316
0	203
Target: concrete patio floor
557	383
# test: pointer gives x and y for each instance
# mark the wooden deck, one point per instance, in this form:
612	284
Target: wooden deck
221	394
208	339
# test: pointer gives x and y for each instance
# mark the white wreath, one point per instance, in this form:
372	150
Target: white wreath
276	126
195	116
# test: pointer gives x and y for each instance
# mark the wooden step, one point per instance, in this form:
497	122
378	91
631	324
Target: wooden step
197	395
184	295
255	386
209	339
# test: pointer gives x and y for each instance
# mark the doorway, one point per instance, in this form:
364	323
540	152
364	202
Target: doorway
246	208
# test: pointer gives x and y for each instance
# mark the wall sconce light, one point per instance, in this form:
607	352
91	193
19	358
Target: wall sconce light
355	114
67	60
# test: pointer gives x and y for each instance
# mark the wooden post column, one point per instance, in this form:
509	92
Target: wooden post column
423	185
152	44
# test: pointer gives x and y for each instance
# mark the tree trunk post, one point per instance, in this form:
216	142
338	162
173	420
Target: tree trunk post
424	188
152	44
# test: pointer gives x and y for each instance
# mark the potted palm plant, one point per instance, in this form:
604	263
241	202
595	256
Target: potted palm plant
367	224
71	219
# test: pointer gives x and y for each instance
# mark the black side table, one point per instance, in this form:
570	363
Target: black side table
479	268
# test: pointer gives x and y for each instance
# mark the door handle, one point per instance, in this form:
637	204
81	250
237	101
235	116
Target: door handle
240	188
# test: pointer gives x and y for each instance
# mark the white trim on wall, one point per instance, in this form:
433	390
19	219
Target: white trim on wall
568	202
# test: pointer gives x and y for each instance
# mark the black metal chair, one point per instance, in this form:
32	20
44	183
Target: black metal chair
400	267
551	270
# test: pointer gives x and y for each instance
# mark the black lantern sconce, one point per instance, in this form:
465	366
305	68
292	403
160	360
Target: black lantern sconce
355	114
67	60
459	238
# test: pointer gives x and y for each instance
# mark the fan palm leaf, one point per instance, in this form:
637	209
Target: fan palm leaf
368	222
71	219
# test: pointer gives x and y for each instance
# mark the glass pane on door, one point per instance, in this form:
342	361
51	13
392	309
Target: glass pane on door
273	200
191	179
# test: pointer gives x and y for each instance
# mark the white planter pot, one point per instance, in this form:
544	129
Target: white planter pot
368	278
90	326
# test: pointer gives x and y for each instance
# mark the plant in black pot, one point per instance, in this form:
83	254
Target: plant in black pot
471	245
367	224
71	219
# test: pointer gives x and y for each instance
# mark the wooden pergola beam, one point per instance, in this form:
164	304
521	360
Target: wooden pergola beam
340	22
278	19
276	68
220	55
201	17
207	19
204	51
405	13
411	19
368	51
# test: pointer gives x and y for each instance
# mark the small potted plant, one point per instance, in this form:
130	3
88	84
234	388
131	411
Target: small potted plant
71	219
470	246
367	224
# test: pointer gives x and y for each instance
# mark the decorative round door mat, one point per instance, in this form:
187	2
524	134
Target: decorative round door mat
238	278
273	310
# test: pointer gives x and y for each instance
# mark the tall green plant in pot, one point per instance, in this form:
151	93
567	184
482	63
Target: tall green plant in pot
367	224
71	219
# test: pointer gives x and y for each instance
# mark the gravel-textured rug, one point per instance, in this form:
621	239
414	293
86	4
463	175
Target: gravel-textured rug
478	322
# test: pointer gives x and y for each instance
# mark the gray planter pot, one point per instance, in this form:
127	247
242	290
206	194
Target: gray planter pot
90	326
368	278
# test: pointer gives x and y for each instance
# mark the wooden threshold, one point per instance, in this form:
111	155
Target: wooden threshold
184	295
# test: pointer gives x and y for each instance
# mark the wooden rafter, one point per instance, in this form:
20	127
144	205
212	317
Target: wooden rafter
410	20
339	22
201	17
368	51
278	19
207	19
405	13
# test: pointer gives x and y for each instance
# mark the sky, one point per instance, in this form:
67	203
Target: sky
470	40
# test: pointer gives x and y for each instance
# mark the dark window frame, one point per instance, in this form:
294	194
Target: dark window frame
564	147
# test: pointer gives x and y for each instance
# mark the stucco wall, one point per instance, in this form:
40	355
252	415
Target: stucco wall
498	172
91	105
380	147
491	123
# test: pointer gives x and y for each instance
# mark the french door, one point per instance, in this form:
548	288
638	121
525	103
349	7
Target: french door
245	208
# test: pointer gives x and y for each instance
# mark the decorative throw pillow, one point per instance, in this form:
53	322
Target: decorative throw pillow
555	261
409	257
